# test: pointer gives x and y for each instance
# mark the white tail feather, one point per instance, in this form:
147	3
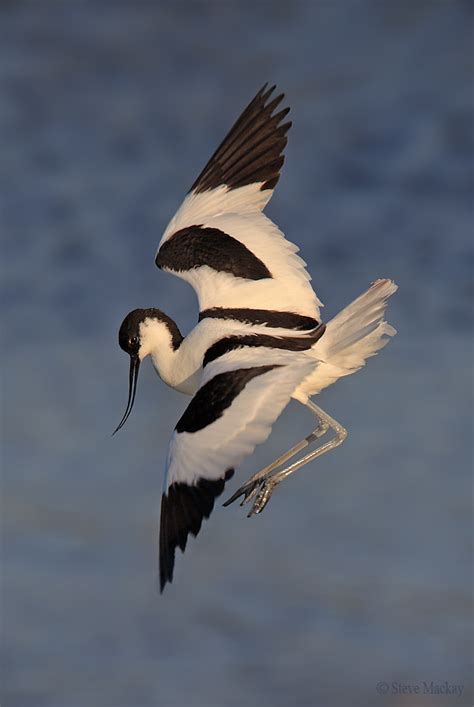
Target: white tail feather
356	333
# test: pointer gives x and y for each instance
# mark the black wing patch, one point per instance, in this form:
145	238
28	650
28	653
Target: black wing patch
215	396
183	508
267	317
288	343
195	246
252	150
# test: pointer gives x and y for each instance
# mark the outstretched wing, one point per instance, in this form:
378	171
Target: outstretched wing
233	410
220	241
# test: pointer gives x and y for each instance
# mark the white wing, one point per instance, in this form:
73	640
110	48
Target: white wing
220	241
239	399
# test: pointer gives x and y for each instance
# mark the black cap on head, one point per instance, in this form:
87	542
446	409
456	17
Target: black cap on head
129	332
129	341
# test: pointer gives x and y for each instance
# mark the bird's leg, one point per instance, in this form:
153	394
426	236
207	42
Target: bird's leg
268	484
262	484
250	488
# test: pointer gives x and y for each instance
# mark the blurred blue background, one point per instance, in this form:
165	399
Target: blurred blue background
359	570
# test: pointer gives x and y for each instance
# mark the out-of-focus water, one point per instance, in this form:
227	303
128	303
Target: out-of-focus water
358	571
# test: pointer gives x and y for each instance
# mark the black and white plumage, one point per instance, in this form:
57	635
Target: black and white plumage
259	340
229	251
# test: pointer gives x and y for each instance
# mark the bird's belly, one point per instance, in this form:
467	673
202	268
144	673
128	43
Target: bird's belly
183	379
190	385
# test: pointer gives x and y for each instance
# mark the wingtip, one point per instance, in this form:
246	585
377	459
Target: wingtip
265	95
195	502
246	155
165	575
265	92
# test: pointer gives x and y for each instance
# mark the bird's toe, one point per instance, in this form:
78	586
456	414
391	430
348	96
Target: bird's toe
262	496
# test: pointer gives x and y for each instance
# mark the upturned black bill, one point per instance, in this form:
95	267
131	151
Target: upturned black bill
132	389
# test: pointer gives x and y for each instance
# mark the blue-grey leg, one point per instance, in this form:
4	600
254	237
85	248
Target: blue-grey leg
250	488
261	486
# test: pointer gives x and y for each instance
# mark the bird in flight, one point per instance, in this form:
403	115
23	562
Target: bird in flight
259	341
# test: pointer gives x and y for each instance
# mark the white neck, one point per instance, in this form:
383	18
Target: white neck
172	363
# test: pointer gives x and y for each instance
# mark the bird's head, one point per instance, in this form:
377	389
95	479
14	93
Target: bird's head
141	333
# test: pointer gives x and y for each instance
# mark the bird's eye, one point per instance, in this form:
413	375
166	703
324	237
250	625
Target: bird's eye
134	341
